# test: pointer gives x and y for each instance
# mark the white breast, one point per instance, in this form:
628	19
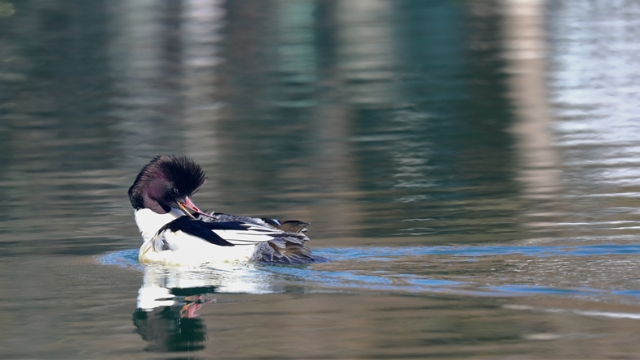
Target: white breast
149	222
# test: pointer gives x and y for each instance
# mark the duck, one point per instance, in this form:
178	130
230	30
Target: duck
176	232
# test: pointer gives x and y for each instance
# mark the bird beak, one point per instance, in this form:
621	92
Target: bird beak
189	205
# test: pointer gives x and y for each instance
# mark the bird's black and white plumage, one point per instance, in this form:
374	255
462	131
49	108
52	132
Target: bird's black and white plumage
176	232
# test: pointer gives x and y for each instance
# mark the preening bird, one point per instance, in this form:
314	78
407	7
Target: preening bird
176	232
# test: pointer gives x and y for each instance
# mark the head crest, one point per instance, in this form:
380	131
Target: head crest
164	179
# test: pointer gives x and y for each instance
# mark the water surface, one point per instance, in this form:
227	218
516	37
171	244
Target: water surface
470	168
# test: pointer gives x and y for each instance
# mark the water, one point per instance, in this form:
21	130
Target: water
470	168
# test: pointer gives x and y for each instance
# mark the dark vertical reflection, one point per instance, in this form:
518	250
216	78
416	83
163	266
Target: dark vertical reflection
430	117
269	83
54	53
402	100
59	139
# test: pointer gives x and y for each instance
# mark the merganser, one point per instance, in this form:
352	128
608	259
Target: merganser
176	232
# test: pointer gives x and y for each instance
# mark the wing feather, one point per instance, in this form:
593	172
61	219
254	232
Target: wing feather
227	233
276	242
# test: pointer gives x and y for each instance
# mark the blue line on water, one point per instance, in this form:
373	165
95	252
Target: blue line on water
389	280
341	254
129	258
532	289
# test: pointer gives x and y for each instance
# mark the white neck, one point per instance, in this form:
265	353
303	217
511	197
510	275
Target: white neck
149	222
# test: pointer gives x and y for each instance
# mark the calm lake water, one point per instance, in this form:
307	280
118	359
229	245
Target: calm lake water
471	168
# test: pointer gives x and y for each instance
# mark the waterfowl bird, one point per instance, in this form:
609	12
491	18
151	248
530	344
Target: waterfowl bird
176	232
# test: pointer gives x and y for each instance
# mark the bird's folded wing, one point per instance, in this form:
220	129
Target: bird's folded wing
224	233
241	233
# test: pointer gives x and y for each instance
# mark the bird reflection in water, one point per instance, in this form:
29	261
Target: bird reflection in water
169	299
173	328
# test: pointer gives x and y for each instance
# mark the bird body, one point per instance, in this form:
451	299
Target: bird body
173	235
192	251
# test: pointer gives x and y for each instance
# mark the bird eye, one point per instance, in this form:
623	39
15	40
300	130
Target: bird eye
175	191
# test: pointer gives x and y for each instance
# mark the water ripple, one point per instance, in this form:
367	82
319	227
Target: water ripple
499	270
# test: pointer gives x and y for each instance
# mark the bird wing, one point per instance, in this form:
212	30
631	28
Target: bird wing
288	226
229	233
242	233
